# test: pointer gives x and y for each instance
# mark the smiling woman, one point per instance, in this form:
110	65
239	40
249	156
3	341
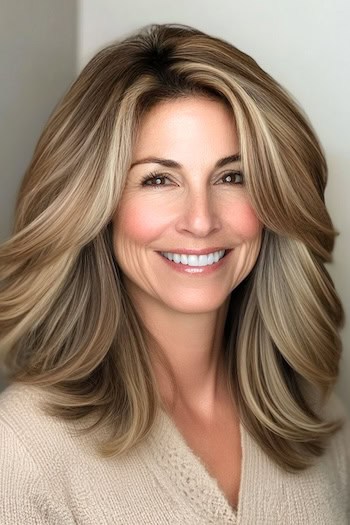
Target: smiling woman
169	330
196	215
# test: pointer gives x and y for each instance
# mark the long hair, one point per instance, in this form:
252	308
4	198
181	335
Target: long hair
67	323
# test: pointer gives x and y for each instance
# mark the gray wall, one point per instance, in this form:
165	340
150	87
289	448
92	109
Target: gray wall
38	56
38	61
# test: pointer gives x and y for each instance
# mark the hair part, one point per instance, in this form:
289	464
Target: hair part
67	323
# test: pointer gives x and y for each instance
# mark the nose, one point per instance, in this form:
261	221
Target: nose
199	214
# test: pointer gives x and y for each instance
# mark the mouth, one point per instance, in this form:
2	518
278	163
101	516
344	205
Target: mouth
193	259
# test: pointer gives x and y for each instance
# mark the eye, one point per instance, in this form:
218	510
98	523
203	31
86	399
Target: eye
154	179
233	177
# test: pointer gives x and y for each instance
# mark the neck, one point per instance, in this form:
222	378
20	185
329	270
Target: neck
192	345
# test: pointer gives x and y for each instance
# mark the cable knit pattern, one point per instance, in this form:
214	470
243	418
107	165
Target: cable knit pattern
48	476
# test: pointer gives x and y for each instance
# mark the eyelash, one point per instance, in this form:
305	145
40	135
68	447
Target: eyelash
153	176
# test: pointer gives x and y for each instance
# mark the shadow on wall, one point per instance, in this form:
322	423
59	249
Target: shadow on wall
39	63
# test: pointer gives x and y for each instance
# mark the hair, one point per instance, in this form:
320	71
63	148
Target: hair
67	323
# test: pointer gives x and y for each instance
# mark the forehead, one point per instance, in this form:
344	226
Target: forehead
187	124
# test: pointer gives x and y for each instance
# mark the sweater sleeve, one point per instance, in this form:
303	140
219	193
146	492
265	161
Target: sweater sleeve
25	494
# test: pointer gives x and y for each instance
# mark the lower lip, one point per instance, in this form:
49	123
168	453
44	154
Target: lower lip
197	270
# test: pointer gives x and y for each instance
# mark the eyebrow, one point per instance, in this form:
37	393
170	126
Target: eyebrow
168	163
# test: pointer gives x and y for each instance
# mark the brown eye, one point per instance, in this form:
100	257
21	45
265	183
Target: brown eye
157	181
233	177
154	179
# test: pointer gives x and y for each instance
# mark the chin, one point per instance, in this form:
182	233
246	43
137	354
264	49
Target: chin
196	306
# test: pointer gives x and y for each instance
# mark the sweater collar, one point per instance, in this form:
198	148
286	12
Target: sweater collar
184	474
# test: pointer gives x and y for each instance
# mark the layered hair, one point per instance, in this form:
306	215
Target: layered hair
67	323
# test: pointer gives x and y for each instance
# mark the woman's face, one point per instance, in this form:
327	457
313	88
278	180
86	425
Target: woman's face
194	209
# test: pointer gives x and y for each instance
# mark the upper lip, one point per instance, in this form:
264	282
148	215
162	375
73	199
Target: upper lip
205	251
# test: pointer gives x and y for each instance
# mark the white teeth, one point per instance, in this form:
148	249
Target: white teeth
194	260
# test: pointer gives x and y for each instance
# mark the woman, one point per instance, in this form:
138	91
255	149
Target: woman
169	330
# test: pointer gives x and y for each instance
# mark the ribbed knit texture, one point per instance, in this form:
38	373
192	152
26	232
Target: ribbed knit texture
49	476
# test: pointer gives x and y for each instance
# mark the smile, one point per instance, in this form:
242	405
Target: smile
194	260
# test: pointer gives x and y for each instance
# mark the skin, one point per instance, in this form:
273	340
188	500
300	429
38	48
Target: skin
195	207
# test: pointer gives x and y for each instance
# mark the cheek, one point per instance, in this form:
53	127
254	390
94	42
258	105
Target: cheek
245	222
136	221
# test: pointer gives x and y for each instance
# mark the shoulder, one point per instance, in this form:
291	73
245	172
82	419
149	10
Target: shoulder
336	461
29	493
23	418
21	414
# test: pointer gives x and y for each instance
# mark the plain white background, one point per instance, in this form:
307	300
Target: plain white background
305	45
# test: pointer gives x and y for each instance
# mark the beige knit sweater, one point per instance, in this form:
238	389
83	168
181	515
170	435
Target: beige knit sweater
48	476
